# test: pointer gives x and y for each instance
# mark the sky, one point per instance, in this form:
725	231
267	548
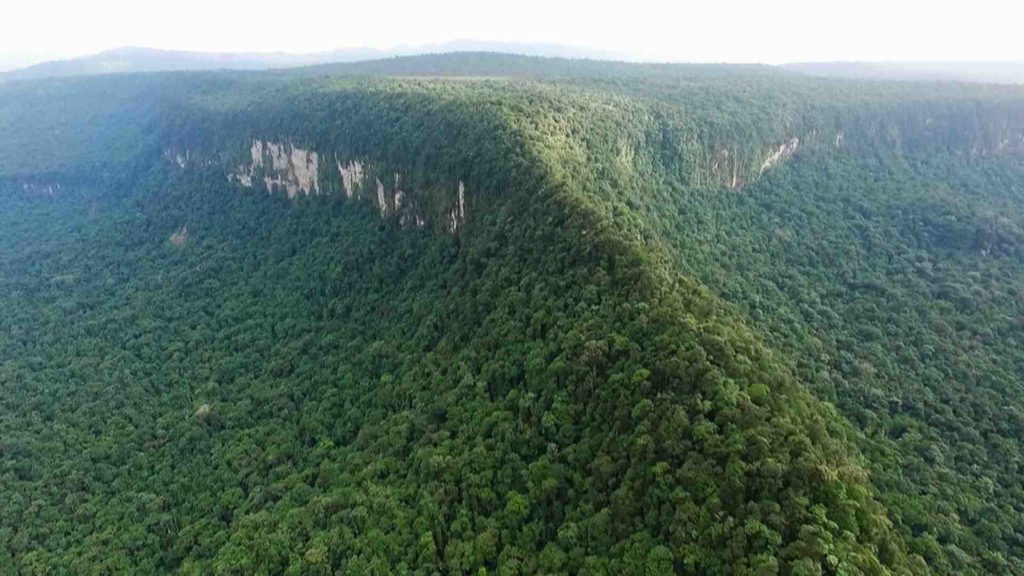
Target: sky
768	31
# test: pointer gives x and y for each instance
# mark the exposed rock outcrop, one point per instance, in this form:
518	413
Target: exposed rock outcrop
296	171
351	176
48	188
784	151
178	157
458	212
180	237
283	166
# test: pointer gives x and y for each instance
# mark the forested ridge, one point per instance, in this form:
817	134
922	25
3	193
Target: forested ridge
527	316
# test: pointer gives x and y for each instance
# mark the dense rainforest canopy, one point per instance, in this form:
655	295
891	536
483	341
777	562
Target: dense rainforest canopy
485	314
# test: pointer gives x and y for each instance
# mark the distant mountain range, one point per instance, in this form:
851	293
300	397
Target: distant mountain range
133	59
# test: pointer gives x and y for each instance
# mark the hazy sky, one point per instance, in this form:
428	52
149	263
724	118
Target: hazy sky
770	31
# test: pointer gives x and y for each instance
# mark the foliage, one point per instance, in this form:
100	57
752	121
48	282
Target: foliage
619	364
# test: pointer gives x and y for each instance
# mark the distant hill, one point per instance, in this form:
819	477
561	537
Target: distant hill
505	65
990	72
150	60
134	59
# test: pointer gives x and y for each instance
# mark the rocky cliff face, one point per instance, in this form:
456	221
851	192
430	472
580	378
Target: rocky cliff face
281	166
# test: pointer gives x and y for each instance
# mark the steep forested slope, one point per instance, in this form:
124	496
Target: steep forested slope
621	320
895	290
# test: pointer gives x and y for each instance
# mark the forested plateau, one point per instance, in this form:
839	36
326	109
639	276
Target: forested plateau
491	314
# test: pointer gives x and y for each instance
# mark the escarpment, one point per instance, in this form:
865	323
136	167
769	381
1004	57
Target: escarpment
284	167
961	129
678	324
